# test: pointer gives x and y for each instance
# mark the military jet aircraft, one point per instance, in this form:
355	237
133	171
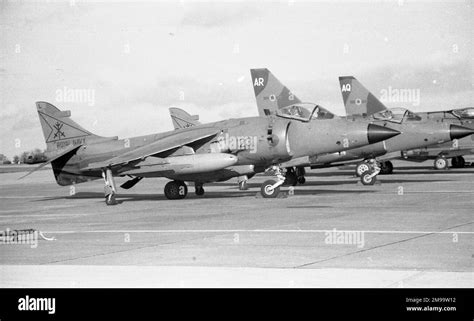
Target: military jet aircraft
359	101
272	96
182	119
197	153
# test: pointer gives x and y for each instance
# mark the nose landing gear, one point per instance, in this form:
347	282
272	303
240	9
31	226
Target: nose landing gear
369	177
271	188
440	163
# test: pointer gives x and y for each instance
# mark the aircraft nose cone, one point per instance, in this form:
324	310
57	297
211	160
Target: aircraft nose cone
376	133
456	132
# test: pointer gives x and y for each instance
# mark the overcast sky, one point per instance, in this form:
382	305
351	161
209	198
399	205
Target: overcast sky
137	60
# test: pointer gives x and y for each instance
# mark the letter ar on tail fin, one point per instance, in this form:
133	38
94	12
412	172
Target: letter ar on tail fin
357	99
270	93
182	119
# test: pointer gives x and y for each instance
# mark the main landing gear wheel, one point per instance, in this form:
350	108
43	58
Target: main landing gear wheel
300	173
368	178
386	168
290	177
440	163
199	190
361	168
176	190
267	189
458	162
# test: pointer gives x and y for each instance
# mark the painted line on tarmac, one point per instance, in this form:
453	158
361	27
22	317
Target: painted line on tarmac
446	230
425	192
257	231
16	197
42	215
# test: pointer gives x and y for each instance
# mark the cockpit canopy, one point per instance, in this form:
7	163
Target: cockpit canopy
464	113
305	112
397	115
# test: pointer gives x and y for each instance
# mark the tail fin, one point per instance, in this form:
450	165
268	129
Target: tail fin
357	99
270	93
59	130
181	119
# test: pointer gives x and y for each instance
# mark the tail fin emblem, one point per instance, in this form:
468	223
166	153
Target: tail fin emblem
58	134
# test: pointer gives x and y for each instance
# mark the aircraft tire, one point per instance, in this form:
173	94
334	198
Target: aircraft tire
291	179
175	190
458	162
243	186
266	193
301	180
199	191
110	200
365	178
440	163
386	168
361	168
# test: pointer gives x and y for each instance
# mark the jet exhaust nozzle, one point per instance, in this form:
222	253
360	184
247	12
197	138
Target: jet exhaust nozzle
376	133
456	131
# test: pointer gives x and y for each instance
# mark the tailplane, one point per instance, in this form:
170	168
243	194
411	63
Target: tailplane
270	93
357	99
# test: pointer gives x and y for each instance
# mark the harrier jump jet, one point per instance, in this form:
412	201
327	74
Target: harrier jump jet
197	153
273	96
360	101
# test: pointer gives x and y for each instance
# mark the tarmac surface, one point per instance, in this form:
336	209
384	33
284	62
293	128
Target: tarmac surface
415	229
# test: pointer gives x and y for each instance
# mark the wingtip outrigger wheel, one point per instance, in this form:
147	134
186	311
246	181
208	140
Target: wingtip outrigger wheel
242	180
109	188
110	199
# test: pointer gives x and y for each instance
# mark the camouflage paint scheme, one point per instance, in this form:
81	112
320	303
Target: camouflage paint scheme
193	153
272	96
359	101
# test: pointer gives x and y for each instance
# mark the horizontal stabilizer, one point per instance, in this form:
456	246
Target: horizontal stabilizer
58	156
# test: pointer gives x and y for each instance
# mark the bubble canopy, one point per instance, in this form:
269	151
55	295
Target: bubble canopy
305	112
397	115
464	113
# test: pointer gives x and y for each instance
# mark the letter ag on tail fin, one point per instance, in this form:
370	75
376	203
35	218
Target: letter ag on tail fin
357	99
